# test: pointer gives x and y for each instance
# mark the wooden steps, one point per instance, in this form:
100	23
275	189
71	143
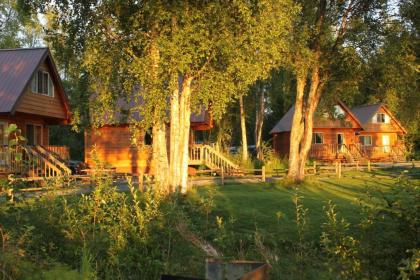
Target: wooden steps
213	159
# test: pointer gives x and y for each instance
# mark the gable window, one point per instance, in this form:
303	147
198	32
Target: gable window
381	118
365	140
338	112
42	83
318	138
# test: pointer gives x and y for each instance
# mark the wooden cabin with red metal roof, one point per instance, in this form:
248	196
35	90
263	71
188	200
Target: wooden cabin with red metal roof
115	146
33	98
366	132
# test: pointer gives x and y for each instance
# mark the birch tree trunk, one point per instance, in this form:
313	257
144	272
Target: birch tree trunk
259	120
179	134
312	103
297	128
174	172
160	155
243	129
185	114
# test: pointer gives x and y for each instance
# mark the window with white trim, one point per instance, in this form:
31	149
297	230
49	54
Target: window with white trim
42	83
365	140
381	118
317	138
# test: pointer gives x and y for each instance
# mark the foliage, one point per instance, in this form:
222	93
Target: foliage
132	234
340	247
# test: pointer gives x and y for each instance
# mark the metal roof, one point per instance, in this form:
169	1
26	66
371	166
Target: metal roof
285	124
365	113
16	69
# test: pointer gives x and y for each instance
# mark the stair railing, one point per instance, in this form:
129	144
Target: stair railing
50	157
215	159
38	166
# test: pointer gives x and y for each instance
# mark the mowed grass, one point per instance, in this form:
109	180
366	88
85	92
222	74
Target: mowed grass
269	207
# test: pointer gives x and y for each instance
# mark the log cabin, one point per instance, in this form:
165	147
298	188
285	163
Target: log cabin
369	132
115	146
32	97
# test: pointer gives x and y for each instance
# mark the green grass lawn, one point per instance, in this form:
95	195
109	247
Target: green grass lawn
255	205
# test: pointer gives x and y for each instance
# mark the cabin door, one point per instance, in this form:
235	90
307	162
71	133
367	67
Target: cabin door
385	143
34	134
340	141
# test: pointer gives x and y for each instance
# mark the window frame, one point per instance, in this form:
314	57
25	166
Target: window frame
364	137
37	87
321	134
384	118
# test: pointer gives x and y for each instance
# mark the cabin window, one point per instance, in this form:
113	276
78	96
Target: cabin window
365	140
338	112
42	84
381	118
318	138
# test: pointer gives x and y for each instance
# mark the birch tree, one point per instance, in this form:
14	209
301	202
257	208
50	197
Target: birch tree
171	58
323	31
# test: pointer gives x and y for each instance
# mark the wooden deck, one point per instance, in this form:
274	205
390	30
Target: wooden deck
357	152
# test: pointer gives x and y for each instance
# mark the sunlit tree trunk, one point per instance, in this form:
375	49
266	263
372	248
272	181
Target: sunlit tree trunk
297	128
174	174
185	114
160	155
259	120
243	129
179	134
312	103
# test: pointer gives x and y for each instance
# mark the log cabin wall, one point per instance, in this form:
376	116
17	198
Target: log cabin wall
330	135
43	105
114	147
281	143
21	120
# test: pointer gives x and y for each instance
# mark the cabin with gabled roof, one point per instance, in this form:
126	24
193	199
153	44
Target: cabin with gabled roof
366	132
33	98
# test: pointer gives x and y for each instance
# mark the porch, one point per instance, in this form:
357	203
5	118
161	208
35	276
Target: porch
357	152
34	161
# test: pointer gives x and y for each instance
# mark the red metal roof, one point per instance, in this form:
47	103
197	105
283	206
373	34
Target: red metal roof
16	69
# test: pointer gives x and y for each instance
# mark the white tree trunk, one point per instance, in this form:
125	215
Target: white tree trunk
243	129
185	114
297	128
174	175
160	155
179	134
259	121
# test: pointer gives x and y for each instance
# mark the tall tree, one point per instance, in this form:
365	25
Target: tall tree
188	53
324	30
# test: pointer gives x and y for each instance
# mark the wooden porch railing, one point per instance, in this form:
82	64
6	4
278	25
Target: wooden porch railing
357	152
62	152
30	161
205	154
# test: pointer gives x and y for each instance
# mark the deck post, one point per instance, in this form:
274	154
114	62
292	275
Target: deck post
339	170
263	174
315	167
336	167
368	164
357	166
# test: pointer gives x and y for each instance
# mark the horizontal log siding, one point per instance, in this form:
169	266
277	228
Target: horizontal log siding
113	146
38	104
